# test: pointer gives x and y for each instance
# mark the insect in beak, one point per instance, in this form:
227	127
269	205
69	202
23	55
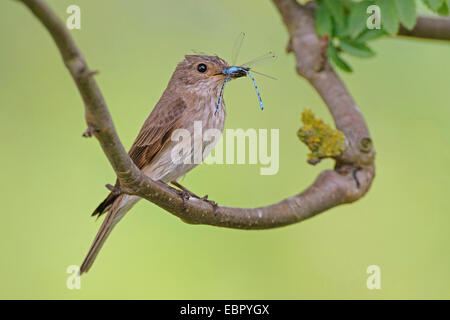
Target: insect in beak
234	72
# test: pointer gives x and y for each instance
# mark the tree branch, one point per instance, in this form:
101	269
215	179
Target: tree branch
437	28
349	182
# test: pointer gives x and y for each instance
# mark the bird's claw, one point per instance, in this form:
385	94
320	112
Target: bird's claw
214	204
185	196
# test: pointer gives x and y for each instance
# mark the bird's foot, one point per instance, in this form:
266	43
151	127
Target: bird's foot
214	204
185	190
185	196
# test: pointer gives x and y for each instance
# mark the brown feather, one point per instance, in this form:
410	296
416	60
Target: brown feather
158	127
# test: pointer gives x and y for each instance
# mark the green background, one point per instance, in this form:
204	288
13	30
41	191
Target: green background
51	178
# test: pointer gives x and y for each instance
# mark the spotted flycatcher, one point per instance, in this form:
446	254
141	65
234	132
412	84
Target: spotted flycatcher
191	95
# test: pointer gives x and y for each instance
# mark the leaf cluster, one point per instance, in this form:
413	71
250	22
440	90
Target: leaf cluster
344	22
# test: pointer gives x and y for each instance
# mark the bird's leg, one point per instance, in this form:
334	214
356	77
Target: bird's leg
186	194
186	191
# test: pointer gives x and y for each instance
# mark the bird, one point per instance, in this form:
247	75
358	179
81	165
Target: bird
194	93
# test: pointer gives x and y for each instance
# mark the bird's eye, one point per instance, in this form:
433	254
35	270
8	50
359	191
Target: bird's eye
202	67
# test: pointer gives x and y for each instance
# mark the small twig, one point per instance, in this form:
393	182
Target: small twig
90	131
116	190
434	28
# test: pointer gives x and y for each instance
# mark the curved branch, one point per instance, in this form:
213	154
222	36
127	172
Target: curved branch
354	169
437	28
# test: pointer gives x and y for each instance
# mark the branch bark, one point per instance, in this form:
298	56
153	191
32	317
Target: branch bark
437	28
350	180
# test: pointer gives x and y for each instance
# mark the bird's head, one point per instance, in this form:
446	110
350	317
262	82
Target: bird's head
201	71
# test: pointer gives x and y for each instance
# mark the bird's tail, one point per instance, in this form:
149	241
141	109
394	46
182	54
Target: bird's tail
117	210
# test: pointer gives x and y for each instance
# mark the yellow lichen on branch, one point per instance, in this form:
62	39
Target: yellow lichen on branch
320	138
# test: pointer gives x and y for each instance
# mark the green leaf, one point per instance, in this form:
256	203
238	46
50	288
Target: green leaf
336	10
433	4
369	35
356	49
347	4
444	9
407	12
340	31
323	22
357	18
337	60
389	17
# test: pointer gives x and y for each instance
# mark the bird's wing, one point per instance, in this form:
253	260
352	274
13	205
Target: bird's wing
158	127
155	132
